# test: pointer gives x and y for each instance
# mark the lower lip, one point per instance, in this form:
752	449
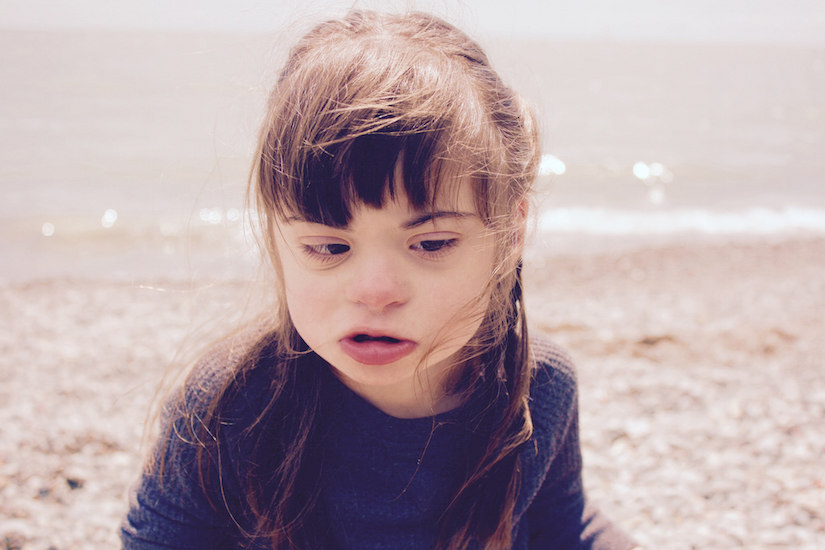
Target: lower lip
377	352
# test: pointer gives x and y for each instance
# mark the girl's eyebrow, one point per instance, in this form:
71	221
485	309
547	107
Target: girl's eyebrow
430	216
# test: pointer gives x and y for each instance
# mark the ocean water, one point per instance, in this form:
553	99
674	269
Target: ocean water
126	154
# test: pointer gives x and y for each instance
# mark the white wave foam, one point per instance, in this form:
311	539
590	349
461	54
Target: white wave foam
756	220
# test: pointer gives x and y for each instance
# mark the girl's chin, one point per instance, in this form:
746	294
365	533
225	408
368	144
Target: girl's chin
360	375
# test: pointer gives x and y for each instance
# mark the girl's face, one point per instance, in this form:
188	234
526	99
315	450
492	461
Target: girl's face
389	299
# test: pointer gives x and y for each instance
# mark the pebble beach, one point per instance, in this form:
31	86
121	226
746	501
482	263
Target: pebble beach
700	369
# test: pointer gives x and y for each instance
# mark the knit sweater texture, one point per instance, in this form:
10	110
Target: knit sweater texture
385	480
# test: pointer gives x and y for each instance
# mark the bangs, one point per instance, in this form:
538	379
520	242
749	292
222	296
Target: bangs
366	171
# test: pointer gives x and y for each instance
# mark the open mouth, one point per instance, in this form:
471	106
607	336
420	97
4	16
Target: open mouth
376	350
361	338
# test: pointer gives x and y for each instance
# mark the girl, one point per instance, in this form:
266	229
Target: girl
394	400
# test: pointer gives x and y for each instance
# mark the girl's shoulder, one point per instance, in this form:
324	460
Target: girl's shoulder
553	392
553	365
219	365
553	412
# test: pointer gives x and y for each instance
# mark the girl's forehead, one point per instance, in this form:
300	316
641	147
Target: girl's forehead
451	193
454	187
333	198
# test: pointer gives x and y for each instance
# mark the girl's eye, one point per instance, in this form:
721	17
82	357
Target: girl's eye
326	250
434	246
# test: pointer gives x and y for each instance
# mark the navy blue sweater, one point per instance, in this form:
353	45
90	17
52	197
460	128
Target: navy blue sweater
386	480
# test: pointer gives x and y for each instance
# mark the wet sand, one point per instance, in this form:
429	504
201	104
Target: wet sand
700	365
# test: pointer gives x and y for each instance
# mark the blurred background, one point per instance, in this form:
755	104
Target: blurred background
127	128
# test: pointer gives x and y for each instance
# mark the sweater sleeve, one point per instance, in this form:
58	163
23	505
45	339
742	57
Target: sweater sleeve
168	509
560	516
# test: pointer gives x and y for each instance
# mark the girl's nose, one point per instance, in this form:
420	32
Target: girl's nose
378	283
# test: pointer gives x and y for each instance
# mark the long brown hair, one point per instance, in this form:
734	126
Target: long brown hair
357	97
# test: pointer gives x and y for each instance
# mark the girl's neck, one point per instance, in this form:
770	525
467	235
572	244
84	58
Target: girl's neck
410	398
